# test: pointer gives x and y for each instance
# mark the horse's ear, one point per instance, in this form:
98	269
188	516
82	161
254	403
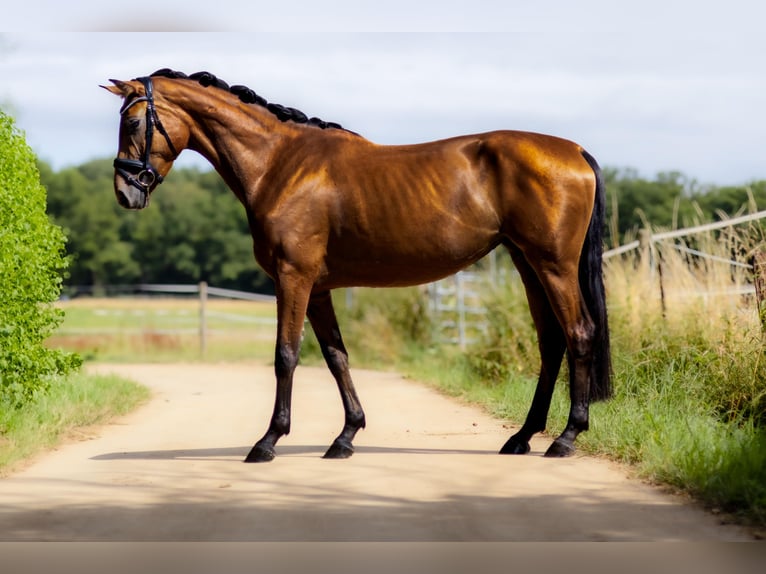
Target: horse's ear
120	88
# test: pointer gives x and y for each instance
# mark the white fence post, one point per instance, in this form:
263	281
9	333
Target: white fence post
460	298
202	318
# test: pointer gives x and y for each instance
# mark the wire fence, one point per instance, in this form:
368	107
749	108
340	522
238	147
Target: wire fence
460	316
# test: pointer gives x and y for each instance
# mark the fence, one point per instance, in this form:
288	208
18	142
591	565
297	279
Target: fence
456	303
459	315
647	241
200	325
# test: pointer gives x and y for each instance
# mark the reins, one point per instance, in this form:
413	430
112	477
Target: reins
141	174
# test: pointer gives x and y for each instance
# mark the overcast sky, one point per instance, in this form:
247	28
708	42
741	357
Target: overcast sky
653	85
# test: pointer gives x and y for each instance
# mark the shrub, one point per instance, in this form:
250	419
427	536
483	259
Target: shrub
31	262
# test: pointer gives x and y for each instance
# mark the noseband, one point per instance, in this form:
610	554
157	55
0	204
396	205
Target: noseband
141	174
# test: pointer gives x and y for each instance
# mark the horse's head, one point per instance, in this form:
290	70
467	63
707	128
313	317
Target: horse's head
142	160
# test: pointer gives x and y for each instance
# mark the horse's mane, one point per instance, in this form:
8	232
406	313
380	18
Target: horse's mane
248	96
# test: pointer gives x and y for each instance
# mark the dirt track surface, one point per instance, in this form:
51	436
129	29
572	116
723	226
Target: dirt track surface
425	469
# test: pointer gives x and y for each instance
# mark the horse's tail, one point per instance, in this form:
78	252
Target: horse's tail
593	292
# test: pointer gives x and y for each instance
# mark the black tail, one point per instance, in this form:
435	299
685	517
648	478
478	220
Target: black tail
592	288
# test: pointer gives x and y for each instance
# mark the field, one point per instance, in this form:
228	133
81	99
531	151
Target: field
143	329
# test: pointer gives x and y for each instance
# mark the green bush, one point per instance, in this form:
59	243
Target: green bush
31	262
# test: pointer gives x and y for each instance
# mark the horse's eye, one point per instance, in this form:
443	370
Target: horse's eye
133	125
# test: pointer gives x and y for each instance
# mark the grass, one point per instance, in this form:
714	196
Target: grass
71	404
660	430
140	329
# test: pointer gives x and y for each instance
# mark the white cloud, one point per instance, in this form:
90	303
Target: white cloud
665	93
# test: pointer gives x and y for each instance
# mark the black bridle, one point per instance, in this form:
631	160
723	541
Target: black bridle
141	174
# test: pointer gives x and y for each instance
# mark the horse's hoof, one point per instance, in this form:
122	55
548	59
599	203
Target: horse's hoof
339	450
515	446
560	449
260	454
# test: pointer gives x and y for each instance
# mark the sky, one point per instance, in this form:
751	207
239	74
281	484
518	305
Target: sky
651	85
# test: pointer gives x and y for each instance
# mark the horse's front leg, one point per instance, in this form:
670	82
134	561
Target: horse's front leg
325	325
292	300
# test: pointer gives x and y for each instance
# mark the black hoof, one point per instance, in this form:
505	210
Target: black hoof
515	446
339	450
260	454
560	449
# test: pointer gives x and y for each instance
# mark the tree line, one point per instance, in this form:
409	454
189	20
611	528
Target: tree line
672	200
196	230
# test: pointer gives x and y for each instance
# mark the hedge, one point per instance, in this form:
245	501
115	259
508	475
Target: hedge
32	261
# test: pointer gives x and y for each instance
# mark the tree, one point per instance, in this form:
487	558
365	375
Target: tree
194	230
734	199
31	265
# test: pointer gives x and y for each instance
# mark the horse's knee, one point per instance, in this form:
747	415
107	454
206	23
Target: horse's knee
285	360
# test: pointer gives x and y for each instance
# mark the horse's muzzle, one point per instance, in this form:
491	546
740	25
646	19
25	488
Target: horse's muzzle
131	198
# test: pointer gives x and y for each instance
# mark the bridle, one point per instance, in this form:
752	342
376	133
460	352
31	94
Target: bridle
141	174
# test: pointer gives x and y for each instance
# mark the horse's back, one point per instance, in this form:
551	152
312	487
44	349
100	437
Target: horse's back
400	215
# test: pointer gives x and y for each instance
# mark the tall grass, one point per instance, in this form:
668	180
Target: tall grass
690	372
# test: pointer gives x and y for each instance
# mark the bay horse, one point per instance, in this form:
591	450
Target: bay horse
328	208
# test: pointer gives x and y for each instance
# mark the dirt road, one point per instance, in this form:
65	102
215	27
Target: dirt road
425	469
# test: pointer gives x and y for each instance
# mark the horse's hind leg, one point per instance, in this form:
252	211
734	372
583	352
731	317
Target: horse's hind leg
325	325
560	281
552	344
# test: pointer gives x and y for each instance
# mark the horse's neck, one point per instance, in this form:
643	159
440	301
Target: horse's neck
237	143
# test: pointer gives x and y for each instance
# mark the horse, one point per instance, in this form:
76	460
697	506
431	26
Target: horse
328	208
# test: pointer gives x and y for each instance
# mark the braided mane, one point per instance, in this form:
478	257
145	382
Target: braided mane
248	96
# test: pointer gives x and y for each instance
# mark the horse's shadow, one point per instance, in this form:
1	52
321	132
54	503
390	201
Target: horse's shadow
225	453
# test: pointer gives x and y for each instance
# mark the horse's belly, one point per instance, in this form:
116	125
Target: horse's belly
402	262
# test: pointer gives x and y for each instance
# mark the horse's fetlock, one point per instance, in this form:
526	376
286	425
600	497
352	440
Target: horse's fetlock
356	420
280	424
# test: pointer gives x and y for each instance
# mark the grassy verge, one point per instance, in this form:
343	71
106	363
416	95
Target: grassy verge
666	437
72	403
